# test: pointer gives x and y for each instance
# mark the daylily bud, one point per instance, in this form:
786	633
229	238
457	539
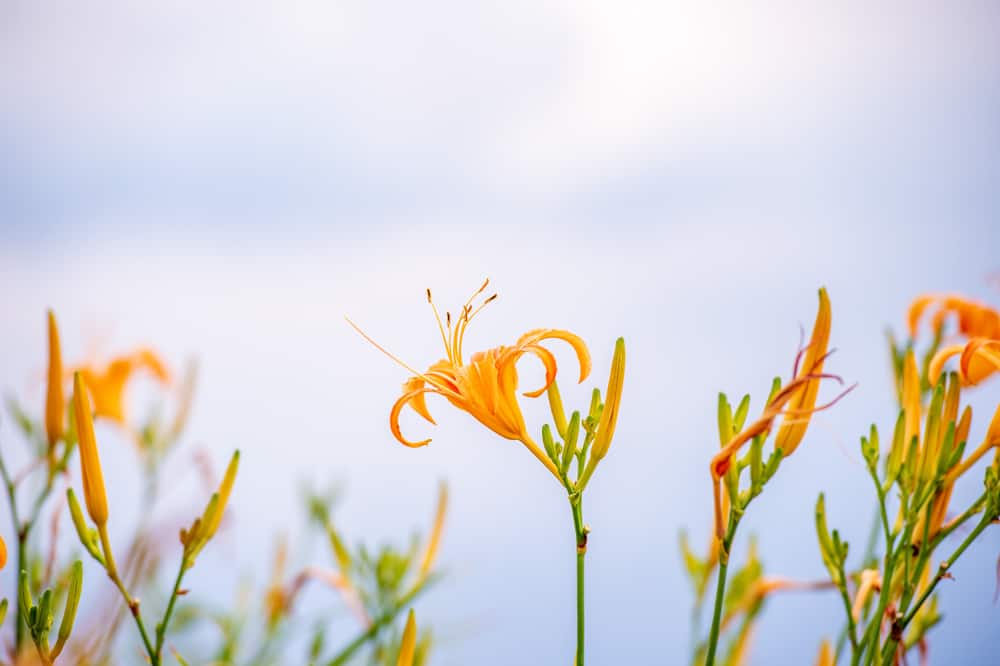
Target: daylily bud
90	462
3	553
225	488
409	641
801	405
556	407
572	437
87	536
69	613
55	401
340	551
612	401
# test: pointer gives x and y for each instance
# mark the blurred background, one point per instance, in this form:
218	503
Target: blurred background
227	181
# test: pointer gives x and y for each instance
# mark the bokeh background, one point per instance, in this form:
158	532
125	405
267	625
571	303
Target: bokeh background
228	180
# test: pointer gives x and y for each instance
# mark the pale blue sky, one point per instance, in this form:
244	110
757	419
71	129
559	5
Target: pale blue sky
229	182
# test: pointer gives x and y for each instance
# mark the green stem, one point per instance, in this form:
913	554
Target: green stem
720	589
22	542
576	504
379	623
900	626
161	628
132	604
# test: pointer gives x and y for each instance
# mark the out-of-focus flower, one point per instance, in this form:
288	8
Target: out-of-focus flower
3	553
980	358
409	642
486	385
55	400
107	383
803	400
974	319
871	581
90	462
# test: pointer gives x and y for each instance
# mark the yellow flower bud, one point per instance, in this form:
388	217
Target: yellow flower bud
802	404
408	644
225	488
430	553
612	401
55	400
90	462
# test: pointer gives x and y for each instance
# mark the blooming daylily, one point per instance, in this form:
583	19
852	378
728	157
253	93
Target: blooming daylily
107	384
485	386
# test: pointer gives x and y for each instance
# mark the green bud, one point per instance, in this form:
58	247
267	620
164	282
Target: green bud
69	612
572	435
826	547
775	387
725	417
340	551
756	465
741	413
556	407
549	443
24	595
3	611
44	619
88	537
895	460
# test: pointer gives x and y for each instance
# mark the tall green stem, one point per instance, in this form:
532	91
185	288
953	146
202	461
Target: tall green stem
576	504
720	589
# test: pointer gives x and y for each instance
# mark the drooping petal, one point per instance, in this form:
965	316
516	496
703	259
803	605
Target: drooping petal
940	358
575	341
549	361
418	402
397	407
916	311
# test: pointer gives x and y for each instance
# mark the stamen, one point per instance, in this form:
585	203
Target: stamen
384	350
437	316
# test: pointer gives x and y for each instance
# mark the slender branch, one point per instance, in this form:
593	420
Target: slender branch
161	628
720	590
133	604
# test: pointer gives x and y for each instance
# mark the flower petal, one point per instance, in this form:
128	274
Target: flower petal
575	341
980	359
397	407
418	402
549	361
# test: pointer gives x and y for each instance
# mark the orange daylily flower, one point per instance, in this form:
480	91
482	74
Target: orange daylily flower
107	384
980	358
975	319
3	553
485	386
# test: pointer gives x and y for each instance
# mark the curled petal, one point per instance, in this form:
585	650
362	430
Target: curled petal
980	358
916	311
940	358
397	407
575	341
418	402
549	361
